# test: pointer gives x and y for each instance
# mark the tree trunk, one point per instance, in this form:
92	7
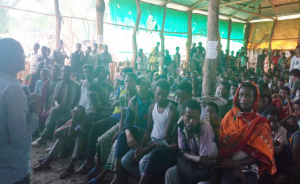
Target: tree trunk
58	21
100	8
228	37
210	65
270	43
189	40
246	38
162	38
136	27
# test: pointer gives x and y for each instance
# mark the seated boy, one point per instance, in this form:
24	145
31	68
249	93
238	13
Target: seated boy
197	147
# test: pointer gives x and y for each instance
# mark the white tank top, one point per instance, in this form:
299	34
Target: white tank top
159	121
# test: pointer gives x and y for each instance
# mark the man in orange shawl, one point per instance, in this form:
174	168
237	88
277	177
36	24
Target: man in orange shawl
246	147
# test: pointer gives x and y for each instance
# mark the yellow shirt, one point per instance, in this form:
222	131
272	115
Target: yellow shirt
117	109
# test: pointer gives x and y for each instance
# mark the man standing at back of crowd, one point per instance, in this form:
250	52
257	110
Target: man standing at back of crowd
261	62
198	60
88	59
18	118
153	57
176	58
193	50
95	54
202	49
295	61
45	58
77	62
105	58
59	55
275	59
141	60
33	57
283	61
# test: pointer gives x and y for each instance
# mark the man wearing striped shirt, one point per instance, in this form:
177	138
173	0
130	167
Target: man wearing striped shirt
18	119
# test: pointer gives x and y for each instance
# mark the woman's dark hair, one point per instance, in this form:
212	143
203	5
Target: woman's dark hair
250	86
213	105
226	84
163	84
185	86
192	104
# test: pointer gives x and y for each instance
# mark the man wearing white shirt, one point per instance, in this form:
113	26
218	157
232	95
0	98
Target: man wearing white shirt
141	60
105	58
295	61
34	57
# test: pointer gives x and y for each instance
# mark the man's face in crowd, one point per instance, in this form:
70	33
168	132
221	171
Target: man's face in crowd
36	47
55	71
211	110
202	103
267	101
177	49
44	75
182	96
274	121
88	74
88	50
102	74
191	119
44	51
266	79
106	48
194	44
140	52
233	90
78	47
275	80
246	98
275	89
283	94
298	50
129	83
161	95
157	45
60	45
142	88
280	84
297	110
65	73
223	90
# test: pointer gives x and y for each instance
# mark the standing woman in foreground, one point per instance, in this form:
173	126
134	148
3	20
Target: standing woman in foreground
246	147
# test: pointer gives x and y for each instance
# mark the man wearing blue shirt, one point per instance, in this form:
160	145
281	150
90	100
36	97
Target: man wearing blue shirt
135	123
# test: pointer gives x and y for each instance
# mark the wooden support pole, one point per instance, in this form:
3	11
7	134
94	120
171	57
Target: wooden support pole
189	39
100	8
246	38
162	38
256	6
136	27
299	35
228	37
270	42
58	21
256	27
210	65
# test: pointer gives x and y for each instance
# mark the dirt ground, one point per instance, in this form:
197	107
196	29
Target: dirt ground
51	176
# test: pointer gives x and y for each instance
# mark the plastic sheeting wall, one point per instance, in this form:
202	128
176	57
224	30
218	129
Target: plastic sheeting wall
285	34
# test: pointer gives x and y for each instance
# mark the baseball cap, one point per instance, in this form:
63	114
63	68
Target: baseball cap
144	79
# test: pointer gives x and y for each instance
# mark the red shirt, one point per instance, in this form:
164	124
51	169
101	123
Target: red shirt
275	59
283	110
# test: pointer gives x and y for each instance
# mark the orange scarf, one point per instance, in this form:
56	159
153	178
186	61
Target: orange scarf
240	129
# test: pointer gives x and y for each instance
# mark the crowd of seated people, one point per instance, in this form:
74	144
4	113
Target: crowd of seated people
157	127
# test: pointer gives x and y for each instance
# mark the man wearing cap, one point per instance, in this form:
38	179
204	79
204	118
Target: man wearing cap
135	123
